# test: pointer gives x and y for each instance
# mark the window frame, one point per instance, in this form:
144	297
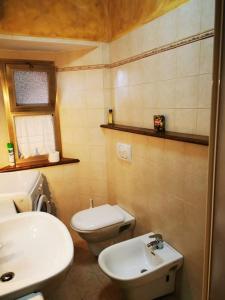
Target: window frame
13	110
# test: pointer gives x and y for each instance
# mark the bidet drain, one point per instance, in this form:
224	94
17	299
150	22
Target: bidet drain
143	270
7	276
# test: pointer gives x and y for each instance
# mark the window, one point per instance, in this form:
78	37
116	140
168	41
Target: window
30	98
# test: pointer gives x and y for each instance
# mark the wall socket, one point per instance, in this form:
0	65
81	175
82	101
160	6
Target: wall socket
124	151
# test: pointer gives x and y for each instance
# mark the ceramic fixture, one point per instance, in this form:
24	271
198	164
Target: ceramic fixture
103	226
37	248
25	188
141	273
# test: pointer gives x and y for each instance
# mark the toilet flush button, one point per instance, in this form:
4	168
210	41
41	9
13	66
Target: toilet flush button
124	151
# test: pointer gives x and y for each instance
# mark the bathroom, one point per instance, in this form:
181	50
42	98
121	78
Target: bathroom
140	59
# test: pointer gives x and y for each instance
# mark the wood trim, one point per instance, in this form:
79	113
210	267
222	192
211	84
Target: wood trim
50	69
32	110
169	135
40	164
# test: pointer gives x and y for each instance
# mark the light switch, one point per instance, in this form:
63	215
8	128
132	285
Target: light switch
124	151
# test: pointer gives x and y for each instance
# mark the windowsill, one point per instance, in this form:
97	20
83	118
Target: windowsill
40	164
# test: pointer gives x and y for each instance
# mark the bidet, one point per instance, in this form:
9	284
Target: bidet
139	272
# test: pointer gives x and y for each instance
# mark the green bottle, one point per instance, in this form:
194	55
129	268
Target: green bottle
10	149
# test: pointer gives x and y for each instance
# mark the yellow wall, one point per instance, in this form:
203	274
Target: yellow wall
98	20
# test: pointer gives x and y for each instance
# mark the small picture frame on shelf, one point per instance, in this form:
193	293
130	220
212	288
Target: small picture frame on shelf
159	123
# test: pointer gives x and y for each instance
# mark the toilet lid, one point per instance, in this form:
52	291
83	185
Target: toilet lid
96	218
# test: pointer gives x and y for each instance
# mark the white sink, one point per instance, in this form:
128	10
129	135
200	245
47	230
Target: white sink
142	273
36	247
17	183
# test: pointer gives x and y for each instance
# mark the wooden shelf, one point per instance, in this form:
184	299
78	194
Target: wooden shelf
40	164
169	135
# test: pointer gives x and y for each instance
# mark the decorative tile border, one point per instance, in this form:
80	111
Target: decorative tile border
82	68
173	45
189	40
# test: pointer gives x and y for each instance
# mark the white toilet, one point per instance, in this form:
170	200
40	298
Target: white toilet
103	226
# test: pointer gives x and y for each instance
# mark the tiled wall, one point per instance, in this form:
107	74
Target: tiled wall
84	97
176	83
165	185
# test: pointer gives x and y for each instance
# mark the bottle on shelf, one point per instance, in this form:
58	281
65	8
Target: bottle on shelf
11	154
110	117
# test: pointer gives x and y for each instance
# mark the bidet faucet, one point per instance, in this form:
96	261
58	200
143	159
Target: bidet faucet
157	243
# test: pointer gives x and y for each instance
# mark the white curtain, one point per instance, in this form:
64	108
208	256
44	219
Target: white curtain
35	135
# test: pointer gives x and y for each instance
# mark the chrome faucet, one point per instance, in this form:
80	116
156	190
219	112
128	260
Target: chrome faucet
157	243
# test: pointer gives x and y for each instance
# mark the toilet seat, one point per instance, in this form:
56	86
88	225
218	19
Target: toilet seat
97	218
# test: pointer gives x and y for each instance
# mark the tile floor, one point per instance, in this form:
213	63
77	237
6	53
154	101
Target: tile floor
85	281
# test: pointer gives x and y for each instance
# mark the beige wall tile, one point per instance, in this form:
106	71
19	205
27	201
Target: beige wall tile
185	120
203	117
167	65
165	188
150	95
188	60
136	39
167	31
134	73
107	78
206	56
108	98
167	94
150	69
119	76
121	98
97	153
205	91
135	97
151	37
95	136
207	14
188	19
94	98
187	92
94	79
120	48
95	117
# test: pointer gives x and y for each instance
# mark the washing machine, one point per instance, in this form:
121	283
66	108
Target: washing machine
33	198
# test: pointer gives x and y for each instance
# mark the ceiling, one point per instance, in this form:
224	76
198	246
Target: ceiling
95	20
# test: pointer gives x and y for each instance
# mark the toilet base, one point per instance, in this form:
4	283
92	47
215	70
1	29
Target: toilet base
97	247
152	290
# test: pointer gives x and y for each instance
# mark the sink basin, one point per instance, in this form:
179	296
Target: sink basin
141	272
36	247
17	183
